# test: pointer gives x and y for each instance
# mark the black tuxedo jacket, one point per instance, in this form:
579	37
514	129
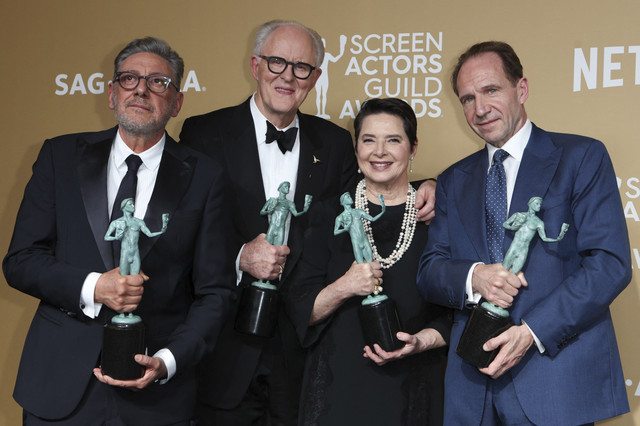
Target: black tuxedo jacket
59	239
327	166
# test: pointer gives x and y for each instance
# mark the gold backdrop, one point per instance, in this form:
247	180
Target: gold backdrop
582	60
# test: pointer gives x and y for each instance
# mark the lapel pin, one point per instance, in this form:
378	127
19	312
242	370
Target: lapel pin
316	160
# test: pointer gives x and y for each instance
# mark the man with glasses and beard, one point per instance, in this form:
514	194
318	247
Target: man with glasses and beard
58	254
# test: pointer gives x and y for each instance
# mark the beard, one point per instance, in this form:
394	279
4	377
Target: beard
132	125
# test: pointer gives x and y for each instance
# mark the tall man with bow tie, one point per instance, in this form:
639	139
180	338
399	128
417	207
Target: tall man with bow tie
59	255
264	142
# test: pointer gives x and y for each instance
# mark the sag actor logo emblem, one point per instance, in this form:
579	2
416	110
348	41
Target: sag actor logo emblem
403	65
322	85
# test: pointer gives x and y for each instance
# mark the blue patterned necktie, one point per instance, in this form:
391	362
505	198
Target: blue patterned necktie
495	207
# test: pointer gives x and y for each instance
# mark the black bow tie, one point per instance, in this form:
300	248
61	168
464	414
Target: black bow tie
285	139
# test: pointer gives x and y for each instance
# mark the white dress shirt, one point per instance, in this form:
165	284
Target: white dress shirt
275	167
147	174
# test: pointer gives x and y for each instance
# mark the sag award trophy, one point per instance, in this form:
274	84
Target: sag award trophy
488	320
378	316
258	307
124	336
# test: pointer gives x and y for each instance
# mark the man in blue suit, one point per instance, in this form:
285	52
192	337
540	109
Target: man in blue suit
559	364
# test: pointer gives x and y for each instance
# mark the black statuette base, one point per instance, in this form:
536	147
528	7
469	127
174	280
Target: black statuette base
257	311
120	343
380	323
481	326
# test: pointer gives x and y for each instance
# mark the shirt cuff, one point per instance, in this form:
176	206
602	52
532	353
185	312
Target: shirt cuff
87	300
238	271
472	297
169	362
537	341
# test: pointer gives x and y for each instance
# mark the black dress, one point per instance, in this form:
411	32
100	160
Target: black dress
341	387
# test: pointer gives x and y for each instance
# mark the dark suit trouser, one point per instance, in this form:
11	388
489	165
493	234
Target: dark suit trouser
271	399
97	408
502	406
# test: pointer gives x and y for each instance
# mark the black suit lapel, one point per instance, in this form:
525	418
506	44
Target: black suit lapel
310	158
307	183
174	175
92	174
242	157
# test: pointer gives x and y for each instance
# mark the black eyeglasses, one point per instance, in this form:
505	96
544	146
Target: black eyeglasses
278	65
157	83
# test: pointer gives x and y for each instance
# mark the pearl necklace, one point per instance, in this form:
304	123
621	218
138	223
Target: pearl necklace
406	230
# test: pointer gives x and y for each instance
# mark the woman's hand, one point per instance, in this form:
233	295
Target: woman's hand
360	280
423	340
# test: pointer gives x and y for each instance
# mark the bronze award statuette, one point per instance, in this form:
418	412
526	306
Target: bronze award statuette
124	335
259	303
378	315
488	320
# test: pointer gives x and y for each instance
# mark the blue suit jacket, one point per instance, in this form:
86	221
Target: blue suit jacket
578	379
59	239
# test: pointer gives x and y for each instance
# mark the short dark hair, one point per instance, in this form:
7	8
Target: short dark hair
510	61
391	106
157	47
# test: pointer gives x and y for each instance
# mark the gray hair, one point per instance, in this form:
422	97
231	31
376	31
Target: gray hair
267	28
157	47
